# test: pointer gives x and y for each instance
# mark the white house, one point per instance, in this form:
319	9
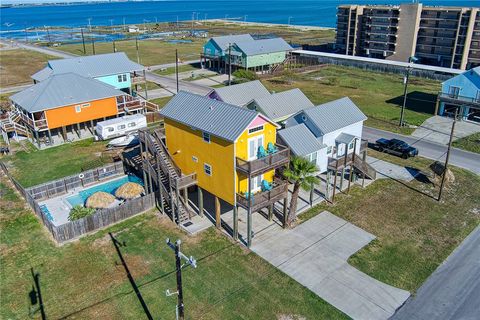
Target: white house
133	29
327	130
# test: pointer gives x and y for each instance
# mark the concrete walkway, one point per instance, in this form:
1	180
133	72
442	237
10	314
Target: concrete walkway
390	170
315	254
437	129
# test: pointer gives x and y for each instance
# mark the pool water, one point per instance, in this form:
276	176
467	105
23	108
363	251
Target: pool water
109	187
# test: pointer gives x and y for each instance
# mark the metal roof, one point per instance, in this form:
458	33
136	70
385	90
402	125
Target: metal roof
345	138
277	106
263	46
243	93
215	117
379	61
63	90
91	66
223	41
335	115
300	140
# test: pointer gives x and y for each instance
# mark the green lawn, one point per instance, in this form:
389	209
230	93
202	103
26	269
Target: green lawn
35	166
86	280
470	143
415	233
181	68
161	101
379	95
18	65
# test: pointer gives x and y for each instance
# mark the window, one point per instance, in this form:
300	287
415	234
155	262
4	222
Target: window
110	129
350	146
121	127
454	91
255	129
78	109
329	150
119	78
132	124
124	78
195	159
312	157
206	137
207	169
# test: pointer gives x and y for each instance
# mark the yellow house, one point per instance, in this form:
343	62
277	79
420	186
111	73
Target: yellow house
226	146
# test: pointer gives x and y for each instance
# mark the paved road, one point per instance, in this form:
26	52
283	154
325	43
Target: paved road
14	88
430	150
170	84
453	290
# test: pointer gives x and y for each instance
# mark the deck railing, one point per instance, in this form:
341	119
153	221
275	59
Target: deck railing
265	198
454	97
271	161
339	161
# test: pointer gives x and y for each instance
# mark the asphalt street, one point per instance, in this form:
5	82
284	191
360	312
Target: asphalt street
430	150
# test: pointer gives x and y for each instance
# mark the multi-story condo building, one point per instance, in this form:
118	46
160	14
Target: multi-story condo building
441	36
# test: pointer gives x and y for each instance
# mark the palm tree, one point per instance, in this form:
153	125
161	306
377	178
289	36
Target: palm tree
301	173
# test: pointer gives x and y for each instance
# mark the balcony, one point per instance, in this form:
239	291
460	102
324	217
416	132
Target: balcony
264	198
262	165
452	98
339	162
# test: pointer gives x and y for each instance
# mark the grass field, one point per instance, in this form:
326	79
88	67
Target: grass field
86	280
415	233
18	65
35	166
379	95
153	52
470	143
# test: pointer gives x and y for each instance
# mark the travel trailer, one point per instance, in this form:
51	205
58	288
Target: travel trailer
120	126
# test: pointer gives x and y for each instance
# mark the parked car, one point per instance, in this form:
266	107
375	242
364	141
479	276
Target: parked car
396	147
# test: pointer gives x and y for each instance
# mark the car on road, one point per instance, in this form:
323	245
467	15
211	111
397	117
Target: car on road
396	147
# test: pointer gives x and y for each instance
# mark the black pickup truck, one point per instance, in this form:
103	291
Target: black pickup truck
396	147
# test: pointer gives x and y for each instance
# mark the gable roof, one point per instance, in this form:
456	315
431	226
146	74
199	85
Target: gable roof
263	46
90	66
335	115
472	75
223	41
243	93
283	104
215	117
63	90
300	140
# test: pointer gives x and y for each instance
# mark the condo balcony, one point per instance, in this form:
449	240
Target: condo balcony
457	99
265	163
278	191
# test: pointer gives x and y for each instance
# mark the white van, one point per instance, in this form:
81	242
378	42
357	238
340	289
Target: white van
120	126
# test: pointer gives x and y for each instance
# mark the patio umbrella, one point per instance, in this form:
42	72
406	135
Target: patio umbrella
129	190
100	200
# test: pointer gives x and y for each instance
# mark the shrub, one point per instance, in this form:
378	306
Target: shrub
245	74
79	212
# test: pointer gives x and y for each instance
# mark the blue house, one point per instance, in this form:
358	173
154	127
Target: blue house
115	69
461	92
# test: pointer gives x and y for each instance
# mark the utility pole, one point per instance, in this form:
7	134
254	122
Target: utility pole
93	45
136	45
48	37
176	67
124	27
229	64
405	81
89	24
26	38
448	155
180	312
245	18
289	20
114	47
83	42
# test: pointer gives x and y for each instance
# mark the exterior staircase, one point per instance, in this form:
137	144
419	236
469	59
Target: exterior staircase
170	179
365	168
13	123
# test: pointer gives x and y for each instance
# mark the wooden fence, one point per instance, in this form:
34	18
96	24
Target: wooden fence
61	186
100	219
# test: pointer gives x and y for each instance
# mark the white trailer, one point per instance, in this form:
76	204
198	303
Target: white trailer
121	126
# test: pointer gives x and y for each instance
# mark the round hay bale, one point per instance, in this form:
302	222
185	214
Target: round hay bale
100	200
129	190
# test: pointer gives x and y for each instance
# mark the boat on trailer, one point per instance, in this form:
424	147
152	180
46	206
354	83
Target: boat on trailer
129	140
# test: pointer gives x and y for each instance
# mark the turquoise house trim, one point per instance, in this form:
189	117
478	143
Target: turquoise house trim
212	49
113	80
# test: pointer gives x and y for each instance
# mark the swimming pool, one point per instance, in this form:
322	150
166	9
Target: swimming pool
109	187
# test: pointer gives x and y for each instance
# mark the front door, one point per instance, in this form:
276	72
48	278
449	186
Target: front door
253	144
257	183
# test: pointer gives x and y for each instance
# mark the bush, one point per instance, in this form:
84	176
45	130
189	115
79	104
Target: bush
79	212
245	74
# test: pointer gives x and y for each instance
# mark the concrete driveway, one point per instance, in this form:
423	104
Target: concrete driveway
315	254
437	129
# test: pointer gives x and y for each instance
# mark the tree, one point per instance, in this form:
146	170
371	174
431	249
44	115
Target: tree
301	173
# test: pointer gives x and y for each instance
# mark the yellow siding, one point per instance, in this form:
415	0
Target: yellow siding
185	143
269	135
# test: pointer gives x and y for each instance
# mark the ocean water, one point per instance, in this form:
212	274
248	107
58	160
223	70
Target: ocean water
299	12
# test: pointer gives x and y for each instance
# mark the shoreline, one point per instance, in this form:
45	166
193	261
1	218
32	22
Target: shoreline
269	24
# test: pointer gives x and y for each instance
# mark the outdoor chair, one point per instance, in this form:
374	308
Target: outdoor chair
271	148
261	153
266	186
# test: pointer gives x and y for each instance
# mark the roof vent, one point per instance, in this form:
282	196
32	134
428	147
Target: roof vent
211	107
